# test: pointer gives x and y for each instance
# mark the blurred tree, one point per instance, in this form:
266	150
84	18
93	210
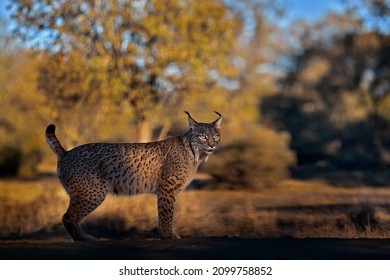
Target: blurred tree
253	69
257	50
22	109
252	156
252	159
374	13
127	54
334	97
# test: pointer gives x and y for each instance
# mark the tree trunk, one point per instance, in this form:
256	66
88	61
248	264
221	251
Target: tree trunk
164	131
144	131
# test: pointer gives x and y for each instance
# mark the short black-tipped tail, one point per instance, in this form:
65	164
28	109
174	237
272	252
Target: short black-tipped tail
53	142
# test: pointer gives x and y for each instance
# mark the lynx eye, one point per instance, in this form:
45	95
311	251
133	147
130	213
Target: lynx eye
216	137
202	137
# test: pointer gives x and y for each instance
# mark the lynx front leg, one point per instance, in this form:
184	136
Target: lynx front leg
166	208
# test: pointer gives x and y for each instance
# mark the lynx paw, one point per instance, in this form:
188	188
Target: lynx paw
85	237
171	235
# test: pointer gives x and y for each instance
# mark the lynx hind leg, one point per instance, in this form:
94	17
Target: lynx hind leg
166	209
80	206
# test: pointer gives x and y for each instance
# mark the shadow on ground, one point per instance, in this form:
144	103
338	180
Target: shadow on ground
103	228
285	248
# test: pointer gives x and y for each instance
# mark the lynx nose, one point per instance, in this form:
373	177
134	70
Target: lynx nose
211	149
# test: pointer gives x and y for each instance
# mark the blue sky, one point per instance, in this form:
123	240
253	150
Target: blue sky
311	10
2	6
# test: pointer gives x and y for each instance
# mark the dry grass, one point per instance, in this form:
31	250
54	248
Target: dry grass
301	209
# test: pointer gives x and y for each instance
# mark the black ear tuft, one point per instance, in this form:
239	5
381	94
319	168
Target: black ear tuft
217	122
191	121
51	129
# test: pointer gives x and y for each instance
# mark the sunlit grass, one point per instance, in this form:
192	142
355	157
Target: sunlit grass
296	208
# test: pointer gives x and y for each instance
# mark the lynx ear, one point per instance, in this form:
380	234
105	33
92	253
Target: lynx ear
191	121
217	122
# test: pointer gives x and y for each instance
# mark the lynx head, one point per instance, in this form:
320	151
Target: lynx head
204	137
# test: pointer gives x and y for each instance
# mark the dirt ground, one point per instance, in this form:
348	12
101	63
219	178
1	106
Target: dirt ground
285	248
